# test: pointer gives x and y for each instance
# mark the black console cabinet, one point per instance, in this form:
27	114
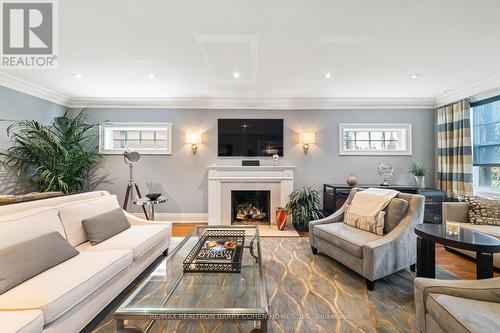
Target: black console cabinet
334	197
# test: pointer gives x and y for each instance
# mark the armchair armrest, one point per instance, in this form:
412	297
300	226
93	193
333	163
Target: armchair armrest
134	220
336	217
487	290
455	211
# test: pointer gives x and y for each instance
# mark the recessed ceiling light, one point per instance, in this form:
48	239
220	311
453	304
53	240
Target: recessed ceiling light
328	75
77	75
414	76
236	75
151	76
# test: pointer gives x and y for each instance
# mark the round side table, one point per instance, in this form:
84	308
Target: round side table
151	204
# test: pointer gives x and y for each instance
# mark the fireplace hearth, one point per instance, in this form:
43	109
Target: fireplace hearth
250	207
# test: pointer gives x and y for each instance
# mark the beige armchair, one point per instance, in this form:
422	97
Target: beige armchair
459	212
457	306
372	256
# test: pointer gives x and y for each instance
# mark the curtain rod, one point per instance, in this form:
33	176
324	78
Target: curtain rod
468	99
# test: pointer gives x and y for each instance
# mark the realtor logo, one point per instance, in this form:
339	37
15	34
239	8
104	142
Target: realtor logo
28	34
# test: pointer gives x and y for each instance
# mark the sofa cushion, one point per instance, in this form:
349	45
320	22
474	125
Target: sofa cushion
482	210
138	238
26	225
62	287
347	238
72	215
456	314
492	230
27	321
106	225
394	212
22	261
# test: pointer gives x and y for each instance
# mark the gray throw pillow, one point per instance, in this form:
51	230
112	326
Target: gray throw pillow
25	260
394	212
105	225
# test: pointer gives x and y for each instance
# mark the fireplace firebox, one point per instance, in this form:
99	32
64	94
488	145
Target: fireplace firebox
250	207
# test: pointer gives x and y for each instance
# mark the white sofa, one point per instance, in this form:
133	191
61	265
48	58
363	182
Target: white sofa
459	212
65	298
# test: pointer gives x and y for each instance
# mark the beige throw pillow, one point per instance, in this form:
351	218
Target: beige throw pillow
483	211
368	223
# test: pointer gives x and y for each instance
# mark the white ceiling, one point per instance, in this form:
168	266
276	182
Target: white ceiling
281	48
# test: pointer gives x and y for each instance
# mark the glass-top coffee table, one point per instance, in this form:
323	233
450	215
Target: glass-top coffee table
183	299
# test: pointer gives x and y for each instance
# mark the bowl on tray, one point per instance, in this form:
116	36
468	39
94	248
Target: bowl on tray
153	196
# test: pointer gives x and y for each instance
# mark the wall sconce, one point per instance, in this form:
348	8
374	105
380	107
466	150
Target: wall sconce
307	138
194	139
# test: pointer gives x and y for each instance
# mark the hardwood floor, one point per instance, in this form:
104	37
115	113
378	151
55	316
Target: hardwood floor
182	229
462	266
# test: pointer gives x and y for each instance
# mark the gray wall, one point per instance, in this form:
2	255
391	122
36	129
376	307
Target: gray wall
183	176
15	106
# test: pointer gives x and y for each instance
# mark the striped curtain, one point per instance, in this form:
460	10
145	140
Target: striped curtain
454	149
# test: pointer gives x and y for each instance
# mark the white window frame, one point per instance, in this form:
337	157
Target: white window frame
376	127
481	191
135	126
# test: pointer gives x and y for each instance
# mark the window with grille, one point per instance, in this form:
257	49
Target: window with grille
375	139
146	138
486	144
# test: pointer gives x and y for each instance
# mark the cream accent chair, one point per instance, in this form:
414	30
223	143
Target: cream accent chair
372	256
459	212
458	306
66	297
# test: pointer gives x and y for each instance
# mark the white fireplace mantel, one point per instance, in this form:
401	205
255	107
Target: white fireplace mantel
225	178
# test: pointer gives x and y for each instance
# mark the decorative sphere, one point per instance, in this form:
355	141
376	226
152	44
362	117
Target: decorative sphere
352	180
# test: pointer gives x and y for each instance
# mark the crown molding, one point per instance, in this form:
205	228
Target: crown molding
32	89
476	91
255	103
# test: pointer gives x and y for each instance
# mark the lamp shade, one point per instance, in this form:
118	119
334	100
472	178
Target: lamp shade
193	138
307	137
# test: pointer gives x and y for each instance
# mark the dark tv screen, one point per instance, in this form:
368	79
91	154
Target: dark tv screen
250	137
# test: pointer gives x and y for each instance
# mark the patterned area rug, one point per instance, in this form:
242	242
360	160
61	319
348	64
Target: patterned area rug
310	293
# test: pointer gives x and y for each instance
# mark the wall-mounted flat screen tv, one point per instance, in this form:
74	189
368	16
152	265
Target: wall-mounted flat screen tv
250	137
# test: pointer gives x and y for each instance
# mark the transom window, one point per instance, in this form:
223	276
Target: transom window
486	144
375	139
147	138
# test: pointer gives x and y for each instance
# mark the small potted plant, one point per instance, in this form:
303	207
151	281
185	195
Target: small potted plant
418	171
304	206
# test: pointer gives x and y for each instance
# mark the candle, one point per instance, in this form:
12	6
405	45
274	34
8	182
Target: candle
452	228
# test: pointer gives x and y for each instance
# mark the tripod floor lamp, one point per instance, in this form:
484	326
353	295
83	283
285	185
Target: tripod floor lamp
131	157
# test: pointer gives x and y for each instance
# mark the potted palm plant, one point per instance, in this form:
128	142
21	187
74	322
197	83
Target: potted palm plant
304	206
418	171
62	157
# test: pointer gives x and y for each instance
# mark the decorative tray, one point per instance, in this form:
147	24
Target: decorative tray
218	251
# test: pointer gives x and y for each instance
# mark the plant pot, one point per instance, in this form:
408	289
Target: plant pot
420	181
301	227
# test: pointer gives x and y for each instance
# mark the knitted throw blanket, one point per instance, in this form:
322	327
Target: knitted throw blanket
365	210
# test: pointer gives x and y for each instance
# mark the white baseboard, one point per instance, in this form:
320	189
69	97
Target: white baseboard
179	217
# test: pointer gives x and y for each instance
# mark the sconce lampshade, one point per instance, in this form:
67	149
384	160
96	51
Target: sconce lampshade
307	137
193	138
